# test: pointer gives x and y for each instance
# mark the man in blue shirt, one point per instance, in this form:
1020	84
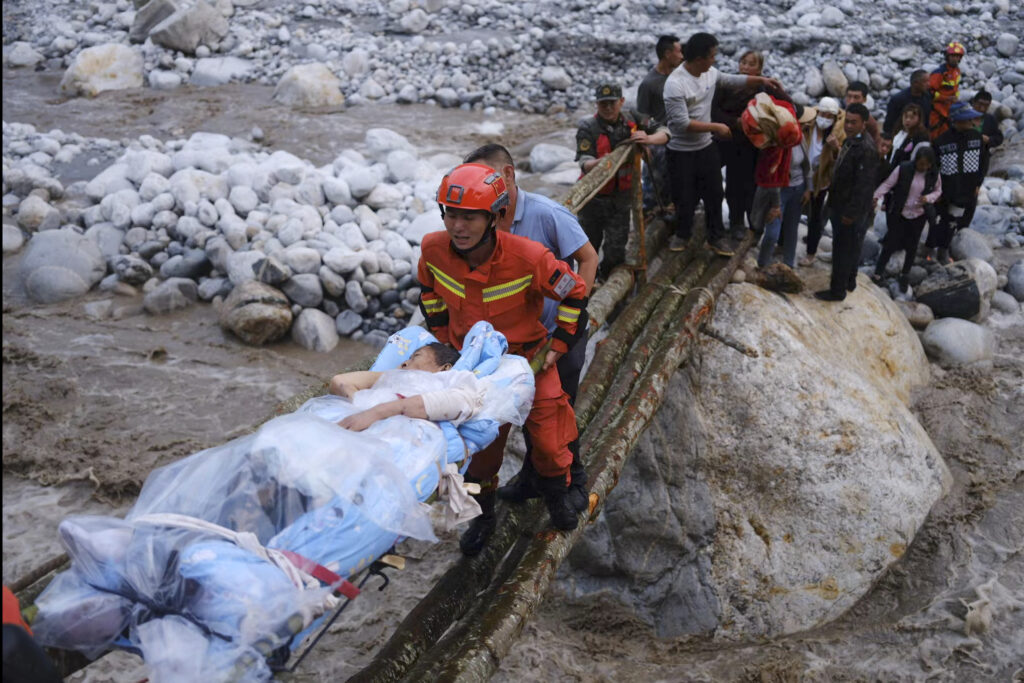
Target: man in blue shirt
543	220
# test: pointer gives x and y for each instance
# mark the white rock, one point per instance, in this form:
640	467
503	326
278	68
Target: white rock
220	70
243	199
384	195
337	191
67	250
422	225
342	260
835	80
163	80
315	330
35	213
22	54
555	77
372	90
955	342
142	162
545	156
309	85
189	27
302	259
402	165
152	186
832	16
1007	44
356	62
240	265
382	141
103	67
14	238
415	21
814	84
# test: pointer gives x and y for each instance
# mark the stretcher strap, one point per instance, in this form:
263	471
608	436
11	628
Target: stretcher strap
322	574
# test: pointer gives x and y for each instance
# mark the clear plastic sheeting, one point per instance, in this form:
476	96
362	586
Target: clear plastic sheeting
194	578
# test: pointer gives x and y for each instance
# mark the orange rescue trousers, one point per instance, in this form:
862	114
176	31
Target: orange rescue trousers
552	427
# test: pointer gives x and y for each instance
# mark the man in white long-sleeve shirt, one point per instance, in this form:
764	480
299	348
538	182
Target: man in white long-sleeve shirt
694	167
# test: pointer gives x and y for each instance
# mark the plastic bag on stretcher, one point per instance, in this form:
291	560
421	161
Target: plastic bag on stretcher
300	483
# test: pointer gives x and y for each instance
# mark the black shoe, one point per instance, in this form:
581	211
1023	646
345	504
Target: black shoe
903	282
481	528
827	295
720	247
556	497
522	488
738	233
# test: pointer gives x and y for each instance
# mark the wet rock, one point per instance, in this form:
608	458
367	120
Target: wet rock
918	315
348	322
778	277
314	330
951	292
953	342
738	459
309	85
35	213
1015	280
969	243
1004	302
171	295
14	238
545	156
103	67
304	289
52	252
256	313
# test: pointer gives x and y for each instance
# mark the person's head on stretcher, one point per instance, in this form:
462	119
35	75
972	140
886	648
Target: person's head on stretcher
434	357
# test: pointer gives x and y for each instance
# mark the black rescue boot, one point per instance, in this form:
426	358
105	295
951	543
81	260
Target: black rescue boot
556	497
578	496
480	528
523	488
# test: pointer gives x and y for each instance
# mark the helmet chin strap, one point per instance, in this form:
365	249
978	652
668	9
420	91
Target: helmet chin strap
489	234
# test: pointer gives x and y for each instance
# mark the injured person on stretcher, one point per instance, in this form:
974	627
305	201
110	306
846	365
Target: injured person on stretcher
218	564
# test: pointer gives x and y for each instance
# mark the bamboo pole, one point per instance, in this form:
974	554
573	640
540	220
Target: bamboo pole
509	607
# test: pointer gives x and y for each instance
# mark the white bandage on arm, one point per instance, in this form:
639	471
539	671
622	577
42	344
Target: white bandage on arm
457	403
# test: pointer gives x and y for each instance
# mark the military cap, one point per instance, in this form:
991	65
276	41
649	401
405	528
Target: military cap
607	91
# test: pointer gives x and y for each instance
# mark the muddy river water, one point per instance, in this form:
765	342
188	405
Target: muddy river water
91	406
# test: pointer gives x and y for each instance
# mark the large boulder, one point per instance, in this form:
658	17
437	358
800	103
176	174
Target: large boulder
955	342
190	27
545	156
835	79
103	67
61	264
969	243
35	214
951	292
309	85
256	313
770	493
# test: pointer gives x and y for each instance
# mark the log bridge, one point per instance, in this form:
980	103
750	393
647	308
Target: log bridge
470	619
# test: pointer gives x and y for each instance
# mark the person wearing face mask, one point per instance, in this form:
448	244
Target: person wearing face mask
823	137
910	193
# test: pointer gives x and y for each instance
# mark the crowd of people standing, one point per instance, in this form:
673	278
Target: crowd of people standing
923	164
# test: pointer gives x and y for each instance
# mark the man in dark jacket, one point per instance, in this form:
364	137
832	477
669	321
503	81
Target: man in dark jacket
917	94
853	181
963	163
989	128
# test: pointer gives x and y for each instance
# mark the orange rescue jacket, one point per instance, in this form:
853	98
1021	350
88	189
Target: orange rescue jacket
508	291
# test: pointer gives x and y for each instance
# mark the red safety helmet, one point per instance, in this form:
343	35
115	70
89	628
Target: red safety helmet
956	48
474	187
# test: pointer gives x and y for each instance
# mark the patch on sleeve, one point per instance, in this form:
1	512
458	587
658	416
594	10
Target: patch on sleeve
565	285
585	145
554	277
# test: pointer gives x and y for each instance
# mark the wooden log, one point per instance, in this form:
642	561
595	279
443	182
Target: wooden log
596	178
639	223
508	608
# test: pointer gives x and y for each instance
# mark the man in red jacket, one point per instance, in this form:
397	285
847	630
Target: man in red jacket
474	272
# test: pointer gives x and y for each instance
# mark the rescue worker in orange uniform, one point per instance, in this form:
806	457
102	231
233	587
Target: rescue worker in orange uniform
944	85
605	218
474	272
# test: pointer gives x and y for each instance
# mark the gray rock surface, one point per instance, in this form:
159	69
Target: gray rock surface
756	508
315	330
954	342
256	313
1015	280
65	250
171	295
969	243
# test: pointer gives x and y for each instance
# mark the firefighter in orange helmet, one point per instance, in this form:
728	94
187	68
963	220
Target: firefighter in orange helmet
944	84
474	272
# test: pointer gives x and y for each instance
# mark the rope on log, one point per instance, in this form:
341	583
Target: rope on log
509	607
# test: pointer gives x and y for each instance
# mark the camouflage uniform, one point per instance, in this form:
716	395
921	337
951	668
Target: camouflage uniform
606	217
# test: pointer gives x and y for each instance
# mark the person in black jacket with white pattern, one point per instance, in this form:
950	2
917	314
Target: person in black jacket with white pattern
963	163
